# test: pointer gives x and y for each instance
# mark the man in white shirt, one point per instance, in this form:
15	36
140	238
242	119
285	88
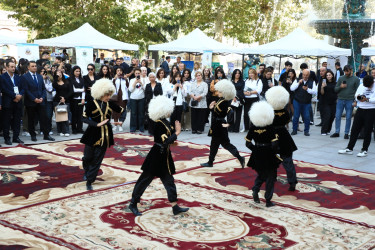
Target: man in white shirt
304	89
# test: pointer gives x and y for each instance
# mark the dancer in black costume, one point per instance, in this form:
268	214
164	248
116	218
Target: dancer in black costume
219	126
264	159
159	161
278	97
98	135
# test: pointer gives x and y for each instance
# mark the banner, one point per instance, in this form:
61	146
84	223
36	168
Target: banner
28	51
84	56
207	58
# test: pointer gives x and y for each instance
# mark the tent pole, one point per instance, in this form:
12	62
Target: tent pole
280	65
243	62
189	56
317	64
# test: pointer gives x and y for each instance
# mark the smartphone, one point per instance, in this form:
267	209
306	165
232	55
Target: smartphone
178	81
138	77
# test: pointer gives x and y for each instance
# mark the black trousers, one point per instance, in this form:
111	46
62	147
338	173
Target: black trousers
145	180
327	113
269	179
248	103
198	119
91	161
235	127
215	144
33	114
363	118
290	169
176	115
11	118
77	111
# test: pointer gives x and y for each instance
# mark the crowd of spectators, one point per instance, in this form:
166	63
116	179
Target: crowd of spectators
31	92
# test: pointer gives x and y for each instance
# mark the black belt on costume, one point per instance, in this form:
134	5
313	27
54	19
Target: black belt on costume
278	127
263	144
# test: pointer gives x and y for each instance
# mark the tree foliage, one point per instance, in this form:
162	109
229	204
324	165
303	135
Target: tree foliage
147	22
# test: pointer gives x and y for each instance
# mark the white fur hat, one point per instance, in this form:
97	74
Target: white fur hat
227	88
261	114
101	88
160	107
278	97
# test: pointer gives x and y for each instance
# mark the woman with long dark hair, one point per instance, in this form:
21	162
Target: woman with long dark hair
144	63
165	84
178	97
104	72
89	80
173	72
287	82
238	101
268	81
64	92
198	104
253	88
186	117
121	95
78	99
219	75
327	100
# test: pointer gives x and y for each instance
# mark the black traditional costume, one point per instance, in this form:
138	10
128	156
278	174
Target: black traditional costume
286	145
264	159
219	133
97	139
159	162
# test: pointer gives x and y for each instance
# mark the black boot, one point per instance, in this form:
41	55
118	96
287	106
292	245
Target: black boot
133	207
176	209
256	197
207	164
242	161
292	187
269	203
89	186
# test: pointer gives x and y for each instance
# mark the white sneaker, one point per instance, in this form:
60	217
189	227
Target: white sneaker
242	130
324	134
120	129
345	151
114	128
40	133
61	134
67	135
51	133
363	153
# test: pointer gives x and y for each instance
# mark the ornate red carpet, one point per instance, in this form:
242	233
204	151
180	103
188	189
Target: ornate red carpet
44	204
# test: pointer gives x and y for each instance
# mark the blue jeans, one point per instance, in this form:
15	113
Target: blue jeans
304	110
341	104
137	115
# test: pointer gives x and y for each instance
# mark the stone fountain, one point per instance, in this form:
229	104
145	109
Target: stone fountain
352	29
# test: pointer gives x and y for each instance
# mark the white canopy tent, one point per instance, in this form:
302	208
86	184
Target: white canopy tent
86	36
194	42
297	43
368	51
11	40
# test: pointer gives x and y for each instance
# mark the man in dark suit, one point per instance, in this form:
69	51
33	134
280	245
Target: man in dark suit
12	93
339	71
165	66
35	101
312	76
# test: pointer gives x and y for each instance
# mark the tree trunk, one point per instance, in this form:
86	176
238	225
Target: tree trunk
219	26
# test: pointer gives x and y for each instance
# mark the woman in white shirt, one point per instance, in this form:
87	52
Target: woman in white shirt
144	78
121	95
198	104
186	117
197	67
137	102
178	97
252	90
166	86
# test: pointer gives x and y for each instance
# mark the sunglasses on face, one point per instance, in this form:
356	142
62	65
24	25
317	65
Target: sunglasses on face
90	69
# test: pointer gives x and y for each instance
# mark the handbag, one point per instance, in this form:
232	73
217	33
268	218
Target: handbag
194	103
114	97
185	107
61	108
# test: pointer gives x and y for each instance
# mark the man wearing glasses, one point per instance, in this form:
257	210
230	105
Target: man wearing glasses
101	59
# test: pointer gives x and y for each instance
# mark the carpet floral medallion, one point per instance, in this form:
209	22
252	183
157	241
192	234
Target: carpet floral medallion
216	220
339	192
130	150
28	176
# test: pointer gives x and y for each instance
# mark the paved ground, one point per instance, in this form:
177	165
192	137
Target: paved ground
315	148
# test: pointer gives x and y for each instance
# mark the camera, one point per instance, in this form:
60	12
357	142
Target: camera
138	77
45	73
360	97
